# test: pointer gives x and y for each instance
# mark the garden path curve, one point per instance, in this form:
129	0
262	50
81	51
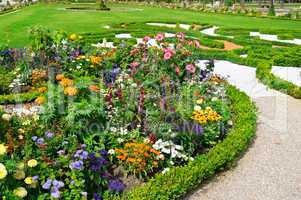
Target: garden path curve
271	168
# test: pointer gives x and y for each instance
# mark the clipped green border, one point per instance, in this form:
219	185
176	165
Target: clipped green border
18	98
263	73
180	180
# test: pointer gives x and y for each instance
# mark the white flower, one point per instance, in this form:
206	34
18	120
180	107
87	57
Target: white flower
165	170
171	162
111	151
120	140
6	117
197	108
214	99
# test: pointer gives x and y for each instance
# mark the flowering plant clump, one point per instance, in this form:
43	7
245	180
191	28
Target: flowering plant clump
110	118
139	158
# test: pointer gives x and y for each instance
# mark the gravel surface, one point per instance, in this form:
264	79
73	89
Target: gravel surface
271	168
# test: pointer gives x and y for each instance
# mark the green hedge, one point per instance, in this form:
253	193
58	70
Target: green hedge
180	180
263	73
18	98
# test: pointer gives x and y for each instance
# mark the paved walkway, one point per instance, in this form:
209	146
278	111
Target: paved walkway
271	168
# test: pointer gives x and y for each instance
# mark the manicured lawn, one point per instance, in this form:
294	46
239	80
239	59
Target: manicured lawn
14	27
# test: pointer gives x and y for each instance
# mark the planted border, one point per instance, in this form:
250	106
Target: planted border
180	180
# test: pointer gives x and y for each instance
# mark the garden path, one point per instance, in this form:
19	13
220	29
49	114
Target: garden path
271	168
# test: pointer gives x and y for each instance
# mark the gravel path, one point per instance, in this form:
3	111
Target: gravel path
271	168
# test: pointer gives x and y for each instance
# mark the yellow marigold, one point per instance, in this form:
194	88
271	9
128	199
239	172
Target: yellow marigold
28	180
59	77
32	163
95	59
70	91
73	37
3	149
20	192
40	100
42	89
3	171
19	174
66	82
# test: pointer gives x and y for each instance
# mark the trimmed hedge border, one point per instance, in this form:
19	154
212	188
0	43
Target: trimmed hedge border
180	180
263	73
18	98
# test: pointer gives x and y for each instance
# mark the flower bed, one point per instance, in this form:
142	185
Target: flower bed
113	119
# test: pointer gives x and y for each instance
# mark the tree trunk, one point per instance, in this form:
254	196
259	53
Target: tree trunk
282	3
242	4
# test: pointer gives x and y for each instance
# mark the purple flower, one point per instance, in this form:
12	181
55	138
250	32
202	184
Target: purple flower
198	129
61	152
49	134
97	162
78	165
40	141
55	193
97	197
116	185
34	138
47	184
35	178
57	184
83	146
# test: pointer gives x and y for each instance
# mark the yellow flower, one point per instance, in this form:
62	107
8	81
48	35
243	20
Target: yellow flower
28	180
66	82
70	91
2	149
6	117
20	192
40	100
95	59
42	89
200	101
73	37
19	174
32	163
59	77
3	171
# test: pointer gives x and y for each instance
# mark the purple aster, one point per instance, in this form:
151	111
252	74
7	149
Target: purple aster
49	134
35	178
34	138
40	141
116	185
55	193
47	184
83	146
78	165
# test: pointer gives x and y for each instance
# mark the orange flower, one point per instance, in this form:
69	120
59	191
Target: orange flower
66	82
59	77
70	91
121	157
42	89
40	100
155	151
94	88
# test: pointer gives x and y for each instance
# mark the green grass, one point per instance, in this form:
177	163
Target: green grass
14	26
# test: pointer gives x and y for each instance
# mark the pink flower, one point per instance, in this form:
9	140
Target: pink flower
197	44
134	64
167	54
160	36
146	38
190	68
181	35
177	70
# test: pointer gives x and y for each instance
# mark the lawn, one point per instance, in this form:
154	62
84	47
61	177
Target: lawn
14	27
